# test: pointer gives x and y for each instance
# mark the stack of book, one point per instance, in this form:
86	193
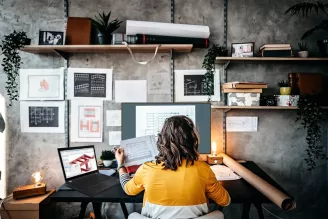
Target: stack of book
276	50
243	87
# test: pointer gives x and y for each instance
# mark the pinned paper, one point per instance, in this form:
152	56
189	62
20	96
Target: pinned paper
114	138
241	124
113	117
130	91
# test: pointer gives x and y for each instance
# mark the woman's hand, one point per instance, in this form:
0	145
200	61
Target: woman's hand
119	155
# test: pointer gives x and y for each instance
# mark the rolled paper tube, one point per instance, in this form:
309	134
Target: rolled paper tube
272	193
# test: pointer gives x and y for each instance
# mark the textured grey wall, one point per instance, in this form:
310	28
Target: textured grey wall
278	147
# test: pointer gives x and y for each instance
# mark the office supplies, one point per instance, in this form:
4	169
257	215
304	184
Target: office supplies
78	31
135	115
223	173
166	29
81	171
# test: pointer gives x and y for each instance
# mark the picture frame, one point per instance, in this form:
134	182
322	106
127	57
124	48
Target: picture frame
41	84
90	83
86	121
189	87
242	49
42	116
51	38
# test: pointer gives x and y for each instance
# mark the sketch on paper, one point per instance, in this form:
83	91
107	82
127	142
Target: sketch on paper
150	119
42	117
87	122
190	86
42	84
90	83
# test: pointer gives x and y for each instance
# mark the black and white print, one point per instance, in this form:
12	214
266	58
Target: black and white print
194	85
89	85
43	116
51	38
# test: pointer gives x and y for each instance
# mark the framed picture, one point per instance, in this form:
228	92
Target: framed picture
41	84
42	116
51	38
86	121
190	86
90	83
242	49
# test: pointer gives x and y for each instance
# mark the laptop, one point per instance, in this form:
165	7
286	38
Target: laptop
81	172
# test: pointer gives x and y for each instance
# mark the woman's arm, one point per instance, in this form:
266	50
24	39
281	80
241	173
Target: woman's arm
215	191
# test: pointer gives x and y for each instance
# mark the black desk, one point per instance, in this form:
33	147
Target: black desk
240	192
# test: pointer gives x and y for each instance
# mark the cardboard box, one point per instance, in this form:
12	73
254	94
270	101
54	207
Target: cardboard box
38	207
78	31
243	99
287	100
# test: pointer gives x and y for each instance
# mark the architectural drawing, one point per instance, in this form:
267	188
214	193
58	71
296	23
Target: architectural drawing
43	116
194	85
83	162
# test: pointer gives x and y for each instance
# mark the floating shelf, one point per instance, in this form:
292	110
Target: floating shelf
225	60
260	107
65	50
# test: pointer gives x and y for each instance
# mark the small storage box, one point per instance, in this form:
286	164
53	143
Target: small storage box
243	99
287	100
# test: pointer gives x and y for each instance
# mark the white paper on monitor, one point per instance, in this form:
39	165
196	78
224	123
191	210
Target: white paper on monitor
150	119
130	91
113	117
223	173
139	150
241	124
114	137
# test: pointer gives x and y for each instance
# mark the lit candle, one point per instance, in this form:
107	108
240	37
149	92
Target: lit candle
213	147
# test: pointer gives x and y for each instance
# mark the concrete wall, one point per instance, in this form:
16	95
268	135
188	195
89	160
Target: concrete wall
278	147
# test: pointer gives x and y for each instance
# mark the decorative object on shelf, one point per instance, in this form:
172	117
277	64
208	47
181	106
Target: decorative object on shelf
303	53
105	27
190	84
285	88
242	49
51	38
276	50
209	65
305	8
78	31
310	114
268	100
107	157
12	61
243	99
287	100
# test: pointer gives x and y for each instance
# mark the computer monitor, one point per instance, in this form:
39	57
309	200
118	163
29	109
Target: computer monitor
77	161
140	119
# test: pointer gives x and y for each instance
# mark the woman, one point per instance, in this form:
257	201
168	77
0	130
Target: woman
176	185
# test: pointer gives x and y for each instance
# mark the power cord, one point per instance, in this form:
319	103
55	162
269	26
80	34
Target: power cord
271	213
3	206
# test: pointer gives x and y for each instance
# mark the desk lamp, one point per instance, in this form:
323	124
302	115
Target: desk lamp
37	188
213	158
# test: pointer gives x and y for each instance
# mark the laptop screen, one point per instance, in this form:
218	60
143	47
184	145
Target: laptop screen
78	161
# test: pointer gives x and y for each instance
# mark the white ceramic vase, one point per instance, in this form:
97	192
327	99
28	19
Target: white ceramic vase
303	54
107	163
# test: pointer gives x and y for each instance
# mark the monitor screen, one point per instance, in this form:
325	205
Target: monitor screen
140	119
78	161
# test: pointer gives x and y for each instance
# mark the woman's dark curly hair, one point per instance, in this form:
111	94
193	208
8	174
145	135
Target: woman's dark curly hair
178	140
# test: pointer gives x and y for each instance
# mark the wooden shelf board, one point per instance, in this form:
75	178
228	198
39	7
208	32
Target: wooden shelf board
260	107
223	60
107	48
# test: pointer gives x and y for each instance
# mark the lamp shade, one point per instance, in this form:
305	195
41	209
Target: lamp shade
2	124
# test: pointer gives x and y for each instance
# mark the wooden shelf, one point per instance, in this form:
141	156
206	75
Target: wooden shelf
260	107
65	50
225	60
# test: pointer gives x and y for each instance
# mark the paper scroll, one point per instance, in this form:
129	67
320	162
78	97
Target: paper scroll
276	196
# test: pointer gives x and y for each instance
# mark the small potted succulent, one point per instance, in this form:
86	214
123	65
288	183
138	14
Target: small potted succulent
107	157
285	88
303	53
105	27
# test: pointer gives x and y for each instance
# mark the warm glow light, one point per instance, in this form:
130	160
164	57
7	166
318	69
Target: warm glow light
213	147
36	177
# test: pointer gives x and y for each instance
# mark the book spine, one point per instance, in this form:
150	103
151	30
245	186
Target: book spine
277	53
232	90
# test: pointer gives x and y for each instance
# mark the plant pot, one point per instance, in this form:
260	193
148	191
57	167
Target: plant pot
323	47
107	163
104	39
27	41
303	54
223	52
285	90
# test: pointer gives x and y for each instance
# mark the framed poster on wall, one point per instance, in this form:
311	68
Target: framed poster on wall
190	86
42	116
86	121
41	84
89	83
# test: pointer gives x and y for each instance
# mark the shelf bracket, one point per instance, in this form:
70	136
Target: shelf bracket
64	55
225	66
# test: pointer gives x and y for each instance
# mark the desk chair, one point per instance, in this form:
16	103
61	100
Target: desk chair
212	215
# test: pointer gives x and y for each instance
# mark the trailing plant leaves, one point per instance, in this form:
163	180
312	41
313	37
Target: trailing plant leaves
12	61
323	25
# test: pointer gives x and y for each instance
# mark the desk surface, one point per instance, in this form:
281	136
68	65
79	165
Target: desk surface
240	191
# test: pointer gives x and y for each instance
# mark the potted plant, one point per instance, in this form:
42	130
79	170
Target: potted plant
107	157
303	53
285	88
105	27
12	61
305	8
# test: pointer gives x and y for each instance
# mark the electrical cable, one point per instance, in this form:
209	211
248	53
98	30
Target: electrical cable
272	213
141	62
3	206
